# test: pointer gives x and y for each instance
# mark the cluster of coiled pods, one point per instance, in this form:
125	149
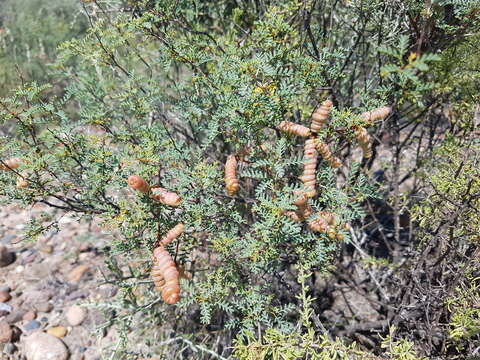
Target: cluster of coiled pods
165	272
323	222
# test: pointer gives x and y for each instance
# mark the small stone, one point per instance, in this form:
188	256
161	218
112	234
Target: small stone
5	296
76	315
41	346
5	309
6	332
32	325
47	249
43	306
15	316
13	286
34	296
29	259
58	331
77	295
29	315
6	257
107	291
5	288
76	274
7	239
9	349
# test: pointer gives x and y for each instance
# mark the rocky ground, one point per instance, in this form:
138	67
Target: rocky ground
49	288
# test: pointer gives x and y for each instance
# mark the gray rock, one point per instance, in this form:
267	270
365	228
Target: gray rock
43	306
7	239
77	295
107	291
5	296
354	305
35	296
9	349
5	309
28	259
6	332
15	316
6	257
41	346
31	325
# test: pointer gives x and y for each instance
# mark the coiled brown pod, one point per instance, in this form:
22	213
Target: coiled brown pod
165	275
376	114
327	155
308	178
138	183
294	216
172	234
22	182
318	225
12	163
165	197
364	141
302	199
329	217
292	128
304	211
231	181
320	116
324	222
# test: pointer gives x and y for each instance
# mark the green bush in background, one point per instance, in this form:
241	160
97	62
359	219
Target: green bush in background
30	31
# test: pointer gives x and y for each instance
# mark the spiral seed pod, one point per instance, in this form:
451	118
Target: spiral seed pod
318	225
332	234
327	155
324	222
22	182
12	163
137	183
165	197
301	199
376	114
165	275
157	277
320	116
329	217
308	178
294	216
231	181
364	141
292	128
172	234
304	211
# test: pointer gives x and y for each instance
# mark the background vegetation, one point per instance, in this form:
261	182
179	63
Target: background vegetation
100	90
